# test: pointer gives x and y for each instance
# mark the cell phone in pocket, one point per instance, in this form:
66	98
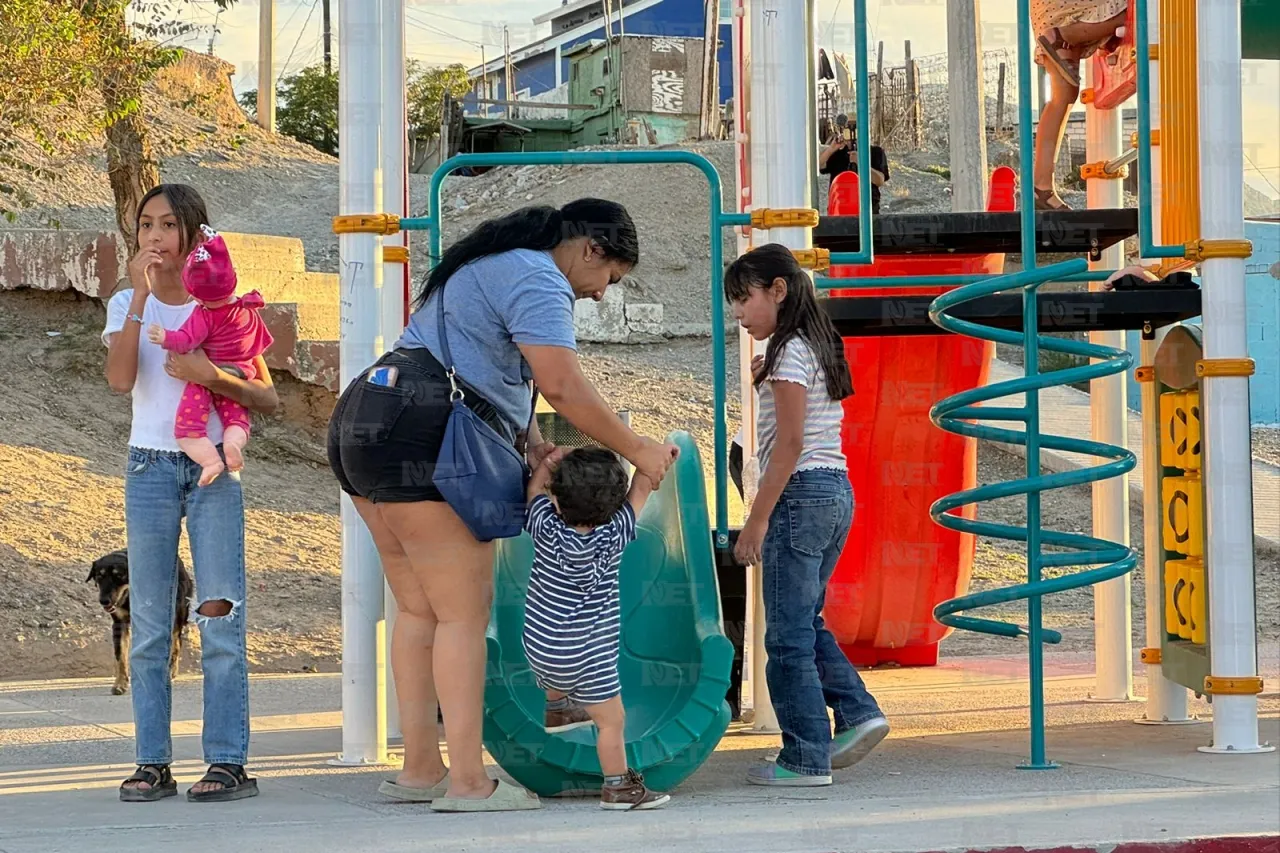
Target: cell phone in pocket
385	376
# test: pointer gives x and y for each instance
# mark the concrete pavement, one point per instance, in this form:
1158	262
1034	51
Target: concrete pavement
944	780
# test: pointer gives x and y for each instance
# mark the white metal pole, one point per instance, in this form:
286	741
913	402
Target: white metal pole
266	77
1228	460
968	109
756	74
395	272
753	645
364	735
1112	617
1166	699
781	163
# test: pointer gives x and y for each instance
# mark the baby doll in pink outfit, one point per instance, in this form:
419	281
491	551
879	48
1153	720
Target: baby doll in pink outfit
231	333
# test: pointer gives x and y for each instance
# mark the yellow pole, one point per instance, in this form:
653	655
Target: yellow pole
1179	129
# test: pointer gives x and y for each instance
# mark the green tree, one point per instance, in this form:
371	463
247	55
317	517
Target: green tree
425	95
47	89
306	107
307	102
85	57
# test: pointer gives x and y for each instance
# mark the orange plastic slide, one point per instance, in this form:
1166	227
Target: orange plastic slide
898	565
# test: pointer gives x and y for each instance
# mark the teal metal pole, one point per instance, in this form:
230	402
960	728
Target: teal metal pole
718	368
866	244
827	283
1031	367
718	220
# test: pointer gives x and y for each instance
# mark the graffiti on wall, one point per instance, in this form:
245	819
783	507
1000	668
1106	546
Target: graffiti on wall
668	91
667	45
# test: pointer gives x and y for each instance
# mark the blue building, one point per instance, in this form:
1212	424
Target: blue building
543	66
1262	296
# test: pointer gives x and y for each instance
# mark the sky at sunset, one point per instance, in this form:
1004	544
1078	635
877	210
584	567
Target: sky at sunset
444	31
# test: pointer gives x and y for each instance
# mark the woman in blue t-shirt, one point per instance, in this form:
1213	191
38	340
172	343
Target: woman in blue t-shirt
508	289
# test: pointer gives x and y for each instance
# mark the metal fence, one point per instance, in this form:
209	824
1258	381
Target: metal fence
910	103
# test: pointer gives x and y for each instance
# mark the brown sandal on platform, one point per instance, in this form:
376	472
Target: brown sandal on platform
1049	200
1068	69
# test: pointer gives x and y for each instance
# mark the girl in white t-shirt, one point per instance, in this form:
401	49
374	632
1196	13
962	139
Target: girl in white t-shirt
800	518
160	489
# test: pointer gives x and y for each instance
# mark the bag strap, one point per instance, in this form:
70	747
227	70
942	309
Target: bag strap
455	393
444	338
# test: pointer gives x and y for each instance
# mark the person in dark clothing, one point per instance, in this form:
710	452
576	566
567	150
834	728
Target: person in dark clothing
841	155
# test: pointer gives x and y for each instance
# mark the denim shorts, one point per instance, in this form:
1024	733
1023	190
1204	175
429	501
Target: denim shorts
384	441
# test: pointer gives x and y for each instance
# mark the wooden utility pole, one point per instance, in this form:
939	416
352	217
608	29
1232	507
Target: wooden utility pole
1000	101
328	39
877	123
622	63
914	119
266	84
968	107
508	79
711	19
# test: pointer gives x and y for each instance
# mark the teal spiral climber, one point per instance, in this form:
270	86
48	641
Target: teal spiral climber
959	414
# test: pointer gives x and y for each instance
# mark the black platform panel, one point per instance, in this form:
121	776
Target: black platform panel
1062	231
1059	312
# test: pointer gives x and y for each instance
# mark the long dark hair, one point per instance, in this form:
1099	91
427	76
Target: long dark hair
188	208
798	315
540	228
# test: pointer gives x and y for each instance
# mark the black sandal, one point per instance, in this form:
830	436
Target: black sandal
236	785
157	776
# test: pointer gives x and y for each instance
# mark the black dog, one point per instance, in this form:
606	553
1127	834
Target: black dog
111	572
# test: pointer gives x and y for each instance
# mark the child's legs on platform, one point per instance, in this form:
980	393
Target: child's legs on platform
611	746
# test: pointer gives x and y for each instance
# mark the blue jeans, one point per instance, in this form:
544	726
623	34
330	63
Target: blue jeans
159	489
806	671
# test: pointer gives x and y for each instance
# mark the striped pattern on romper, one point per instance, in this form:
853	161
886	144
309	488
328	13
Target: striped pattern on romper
571	617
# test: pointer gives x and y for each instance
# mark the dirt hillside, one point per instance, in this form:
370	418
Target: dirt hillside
62	444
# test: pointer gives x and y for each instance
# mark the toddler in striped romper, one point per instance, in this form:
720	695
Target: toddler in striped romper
582	515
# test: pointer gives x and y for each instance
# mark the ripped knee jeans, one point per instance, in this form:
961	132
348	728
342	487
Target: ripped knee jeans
161	488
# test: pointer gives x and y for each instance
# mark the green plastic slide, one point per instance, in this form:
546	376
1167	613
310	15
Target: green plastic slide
674	656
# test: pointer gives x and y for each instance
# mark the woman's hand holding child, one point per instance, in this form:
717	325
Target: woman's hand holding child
653	460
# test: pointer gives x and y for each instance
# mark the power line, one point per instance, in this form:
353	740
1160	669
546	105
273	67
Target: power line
296	41
428	27
288	22
451	18
1265	179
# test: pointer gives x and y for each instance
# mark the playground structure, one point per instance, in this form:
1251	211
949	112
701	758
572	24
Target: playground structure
775	179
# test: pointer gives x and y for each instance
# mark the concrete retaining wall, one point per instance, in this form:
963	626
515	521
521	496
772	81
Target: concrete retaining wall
91	262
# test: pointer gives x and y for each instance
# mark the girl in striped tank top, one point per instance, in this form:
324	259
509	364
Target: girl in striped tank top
799	520
582	515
